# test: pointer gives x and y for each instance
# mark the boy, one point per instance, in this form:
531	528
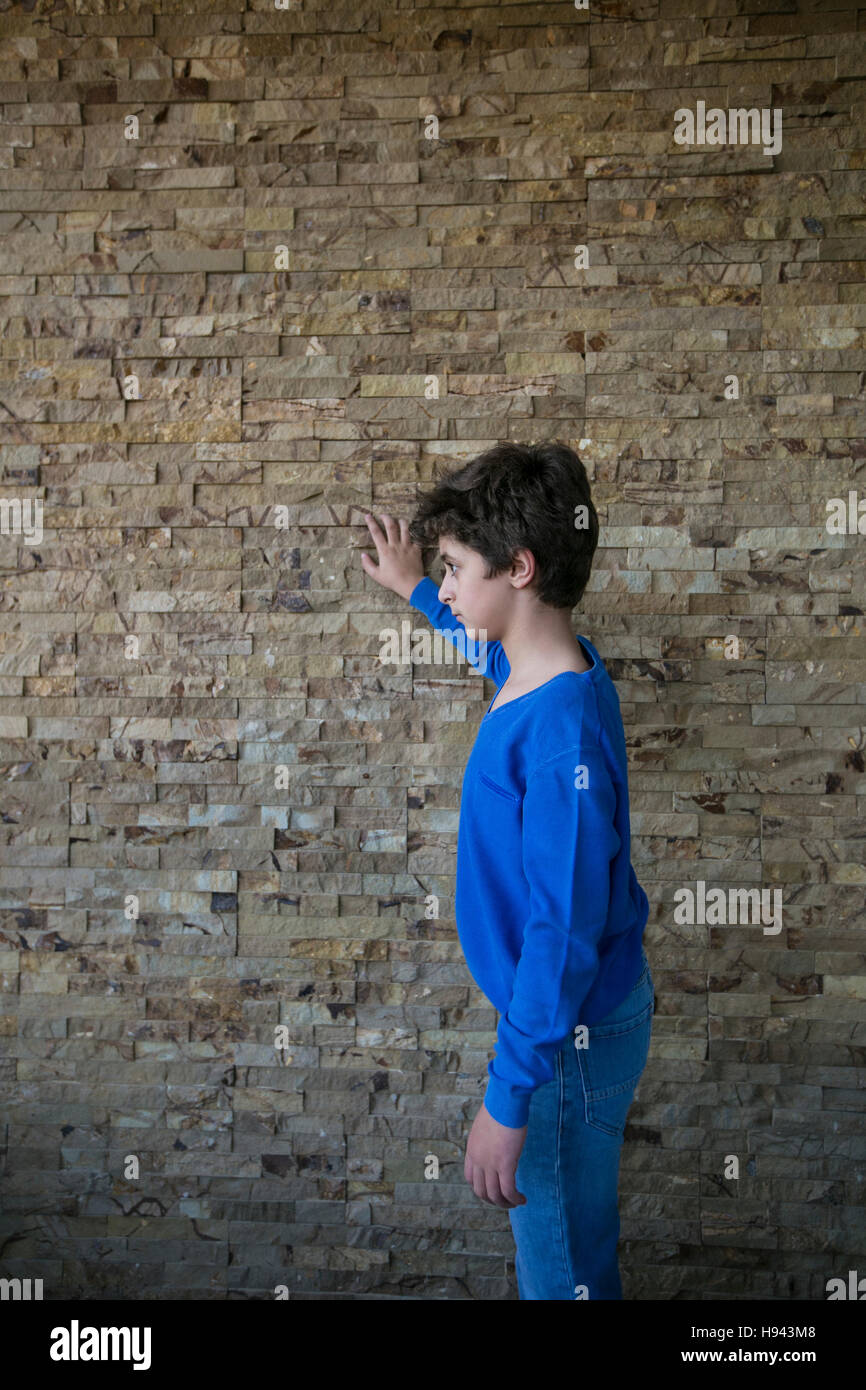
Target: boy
549	911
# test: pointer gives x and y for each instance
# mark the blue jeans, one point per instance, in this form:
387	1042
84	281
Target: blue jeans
566	1233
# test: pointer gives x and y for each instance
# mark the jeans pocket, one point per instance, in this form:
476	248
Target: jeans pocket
612	1063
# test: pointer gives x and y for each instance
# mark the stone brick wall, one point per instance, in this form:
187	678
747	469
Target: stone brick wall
222	814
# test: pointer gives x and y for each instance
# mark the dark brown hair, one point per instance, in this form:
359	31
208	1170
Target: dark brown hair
517	496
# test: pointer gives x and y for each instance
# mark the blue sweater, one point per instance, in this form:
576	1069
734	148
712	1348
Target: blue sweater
549	911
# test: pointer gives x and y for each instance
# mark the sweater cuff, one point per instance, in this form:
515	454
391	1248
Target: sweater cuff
508	1104
415	598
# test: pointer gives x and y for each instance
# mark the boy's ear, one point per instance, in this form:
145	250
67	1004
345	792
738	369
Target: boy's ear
524	567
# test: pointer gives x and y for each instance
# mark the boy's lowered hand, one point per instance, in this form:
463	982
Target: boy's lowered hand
492	1154
400	564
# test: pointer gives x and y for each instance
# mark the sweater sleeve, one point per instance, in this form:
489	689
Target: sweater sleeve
569	840
488	657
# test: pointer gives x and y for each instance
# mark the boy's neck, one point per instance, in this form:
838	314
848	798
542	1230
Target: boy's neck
536	639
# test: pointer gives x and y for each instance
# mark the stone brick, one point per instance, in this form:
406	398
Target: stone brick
151	1035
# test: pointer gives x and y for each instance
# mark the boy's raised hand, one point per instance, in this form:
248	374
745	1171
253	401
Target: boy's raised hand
400	564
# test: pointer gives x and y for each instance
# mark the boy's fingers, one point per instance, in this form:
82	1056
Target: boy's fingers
494	1191
394	533
392	530
485	1184
475	1178
508	1187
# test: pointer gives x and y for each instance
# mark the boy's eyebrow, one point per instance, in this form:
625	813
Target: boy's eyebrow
443	555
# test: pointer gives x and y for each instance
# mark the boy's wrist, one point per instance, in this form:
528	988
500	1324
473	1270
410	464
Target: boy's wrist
507	1104
407	593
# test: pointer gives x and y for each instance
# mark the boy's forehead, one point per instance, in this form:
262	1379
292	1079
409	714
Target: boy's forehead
449	548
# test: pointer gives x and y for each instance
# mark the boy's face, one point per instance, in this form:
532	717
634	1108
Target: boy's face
479	603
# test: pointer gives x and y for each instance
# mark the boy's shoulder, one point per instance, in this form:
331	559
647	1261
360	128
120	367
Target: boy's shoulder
563	714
